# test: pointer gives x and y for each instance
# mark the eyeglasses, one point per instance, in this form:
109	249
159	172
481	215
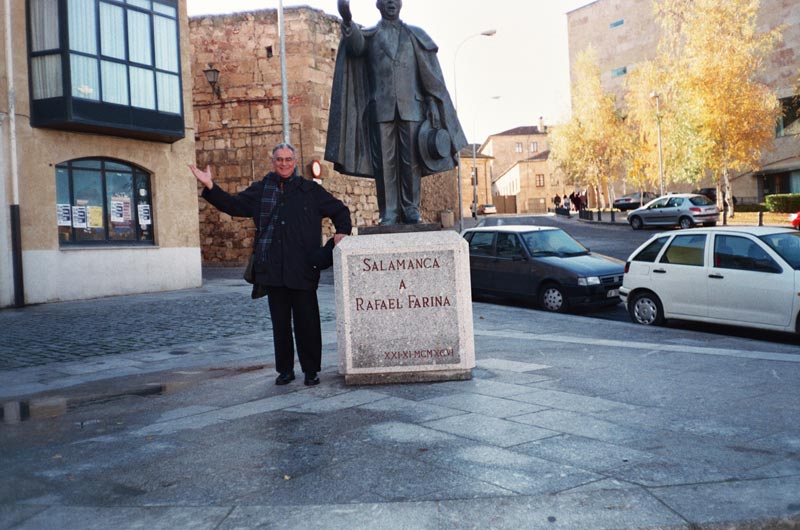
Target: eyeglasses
279	159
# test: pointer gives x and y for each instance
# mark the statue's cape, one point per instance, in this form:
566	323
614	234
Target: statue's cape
349	124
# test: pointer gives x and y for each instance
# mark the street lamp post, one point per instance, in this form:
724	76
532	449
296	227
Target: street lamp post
655	95
487	33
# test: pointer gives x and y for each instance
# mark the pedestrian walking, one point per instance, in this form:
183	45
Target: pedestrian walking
288	211
565	203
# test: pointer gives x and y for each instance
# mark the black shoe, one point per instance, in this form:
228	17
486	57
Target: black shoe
311	379
285	378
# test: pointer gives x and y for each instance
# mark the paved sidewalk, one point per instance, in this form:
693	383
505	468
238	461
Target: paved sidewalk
568	423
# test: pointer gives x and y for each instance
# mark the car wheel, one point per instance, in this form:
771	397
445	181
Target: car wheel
636	222
551	298
686	222
645	308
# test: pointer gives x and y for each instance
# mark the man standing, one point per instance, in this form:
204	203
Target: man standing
288	211
391	117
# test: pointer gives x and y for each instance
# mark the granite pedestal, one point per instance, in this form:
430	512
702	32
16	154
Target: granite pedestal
404	308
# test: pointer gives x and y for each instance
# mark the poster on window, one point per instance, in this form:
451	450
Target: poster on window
64	213
120	210
144	215
95	216
79	216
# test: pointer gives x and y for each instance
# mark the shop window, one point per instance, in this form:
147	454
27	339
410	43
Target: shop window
101	201
106	66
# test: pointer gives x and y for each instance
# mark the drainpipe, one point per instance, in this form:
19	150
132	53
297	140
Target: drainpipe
16	231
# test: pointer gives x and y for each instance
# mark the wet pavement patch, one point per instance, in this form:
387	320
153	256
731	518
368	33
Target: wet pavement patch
51	405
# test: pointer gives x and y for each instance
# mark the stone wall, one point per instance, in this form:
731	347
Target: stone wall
236	131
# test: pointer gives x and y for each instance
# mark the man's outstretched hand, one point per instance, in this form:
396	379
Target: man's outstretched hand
344	11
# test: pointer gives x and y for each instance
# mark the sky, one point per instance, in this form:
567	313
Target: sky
498	83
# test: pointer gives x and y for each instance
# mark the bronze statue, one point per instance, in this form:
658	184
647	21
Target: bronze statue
391	117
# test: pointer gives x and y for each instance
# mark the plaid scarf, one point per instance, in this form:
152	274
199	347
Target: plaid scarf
265	227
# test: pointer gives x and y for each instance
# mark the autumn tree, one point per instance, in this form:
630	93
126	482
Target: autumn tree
723	115
589	148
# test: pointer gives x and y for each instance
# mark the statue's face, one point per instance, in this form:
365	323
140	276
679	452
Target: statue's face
390	9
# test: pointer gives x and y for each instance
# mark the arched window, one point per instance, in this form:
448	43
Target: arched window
103	201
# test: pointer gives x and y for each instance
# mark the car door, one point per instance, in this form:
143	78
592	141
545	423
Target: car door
652	214
748	284
671	212
680	276
511	274
481	259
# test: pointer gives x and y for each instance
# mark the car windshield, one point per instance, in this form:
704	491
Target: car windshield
787	245
552	243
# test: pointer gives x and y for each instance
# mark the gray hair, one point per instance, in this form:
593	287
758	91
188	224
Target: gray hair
290	147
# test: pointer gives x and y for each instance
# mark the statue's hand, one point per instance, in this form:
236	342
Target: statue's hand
433	113
344	11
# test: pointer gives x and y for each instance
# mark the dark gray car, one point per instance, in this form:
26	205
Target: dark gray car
680	209
544	264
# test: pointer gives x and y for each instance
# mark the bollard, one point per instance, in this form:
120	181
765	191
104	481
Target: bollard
612	216
760	218
11	412
599	215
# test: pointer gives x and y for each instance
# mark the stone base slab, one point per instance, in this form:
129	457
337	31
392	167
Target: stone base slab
408	377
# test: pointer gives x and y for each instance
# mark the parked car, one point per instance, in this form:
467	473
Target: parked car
740	276
633	200
498	220
711	193
794	219
541	263
678	209
487	209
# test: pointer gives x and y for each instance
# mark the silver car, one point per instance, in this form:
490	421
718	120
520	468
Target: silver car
680	209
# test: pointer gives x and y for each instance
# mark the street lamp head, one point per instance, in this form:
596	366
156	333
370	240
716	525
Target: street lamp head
654	95
489	32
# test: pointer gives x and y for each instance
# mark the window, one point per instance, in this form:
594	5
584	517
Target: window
481	244
686	250
650	252
508	246
518	147
101	201
735	252
540	181
789	122
109	66
534	147
619	71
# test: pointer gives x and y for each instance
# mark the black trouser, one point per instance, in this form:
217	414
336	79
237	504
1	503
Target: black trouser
298	307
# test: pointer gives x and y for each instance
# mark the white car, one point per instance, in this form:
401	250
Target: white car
741	276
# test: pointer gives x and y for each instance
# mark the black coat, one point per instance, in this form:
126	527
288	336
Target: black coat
297	227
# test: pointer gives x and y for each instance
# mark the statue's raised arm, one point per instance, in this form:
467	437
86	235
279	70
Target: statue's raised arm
344	11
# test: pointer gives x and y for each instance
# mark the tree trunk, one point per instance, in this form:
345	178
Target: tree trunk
727	196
